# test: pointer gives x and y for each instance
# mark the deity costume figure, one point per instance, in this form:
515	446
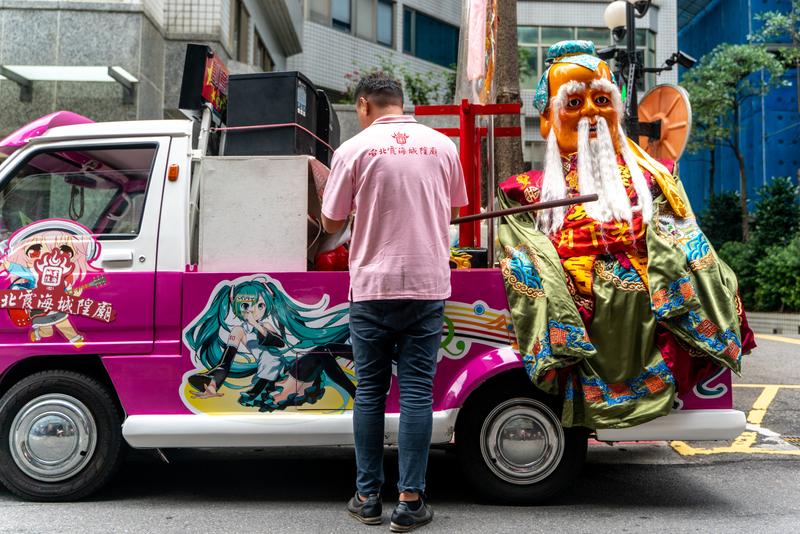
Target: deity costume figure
621	303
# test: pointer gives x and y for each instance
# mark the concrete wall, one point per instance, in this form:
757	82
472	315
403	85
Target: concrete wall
348	121
783	324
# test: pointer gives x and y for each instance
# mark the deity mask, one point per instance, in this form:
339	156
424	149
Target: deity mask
580	109
577	85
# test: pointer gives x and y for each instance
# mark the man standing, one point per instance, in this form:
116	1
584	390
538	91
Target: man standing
404	182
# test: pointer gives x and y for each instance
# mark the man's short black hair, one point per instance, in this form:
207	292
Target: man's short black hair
380	89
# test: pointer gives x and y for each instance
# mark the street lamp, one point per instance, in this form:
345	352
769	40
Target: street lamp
620	17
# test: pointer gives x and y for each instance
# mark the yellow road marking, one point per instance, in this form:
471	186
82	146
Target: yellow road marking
763	401
782	339
744	444
762	386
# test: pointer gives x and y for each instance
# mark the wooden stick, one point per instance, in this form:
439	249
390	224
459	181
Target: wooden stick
523	209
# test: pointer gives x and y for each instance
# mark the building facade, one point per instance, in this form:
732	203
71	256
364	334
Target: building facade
344	36
327	40
145	38
770	125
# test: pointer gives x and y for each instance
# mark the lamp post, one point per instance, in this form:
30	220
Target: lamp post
620	17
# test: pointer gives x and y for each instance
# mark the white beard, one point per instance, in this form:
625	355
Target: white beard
598	173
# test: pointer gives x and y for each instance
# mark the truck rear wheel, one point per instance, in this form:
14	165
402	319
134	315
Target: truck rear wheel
60	436
513	449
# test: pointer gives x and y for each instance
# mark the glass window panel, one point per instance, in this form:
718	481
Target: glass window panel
408	42
599	36
365	19
536	154
318	11
552	35
434	40
641	37
528	67
243	33
101	188
385	23
340	13
528	35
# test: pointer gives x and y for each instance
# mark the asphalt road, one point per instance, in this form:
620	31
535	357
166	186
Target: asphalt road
752	485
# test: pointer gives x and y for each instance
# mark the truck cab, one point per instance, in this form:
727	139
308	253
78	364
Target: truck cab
132	264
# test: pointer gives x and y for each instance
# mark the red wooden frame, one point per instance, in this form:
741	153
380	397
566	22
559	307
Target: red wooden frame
469	146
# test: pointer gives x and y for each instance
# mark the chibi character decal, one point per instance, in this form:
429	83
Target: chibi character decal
48	263
289	351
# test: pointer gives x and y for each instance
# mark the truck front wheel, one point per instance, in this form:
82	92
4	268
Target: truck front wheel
513	449
60	436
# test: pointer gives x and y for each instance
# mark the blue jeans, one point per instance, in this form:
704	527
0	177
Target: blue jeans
409	331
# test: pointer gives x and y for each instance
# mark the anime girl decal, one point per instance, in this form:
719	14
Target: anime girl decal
47	264
251	329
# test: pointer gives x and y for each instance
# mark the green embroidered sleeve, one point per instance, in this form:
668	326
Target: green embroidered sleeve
693	292
549	330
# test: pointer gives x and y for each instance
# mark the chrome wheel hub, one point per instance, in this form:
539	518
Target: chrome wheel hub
53	437
522	441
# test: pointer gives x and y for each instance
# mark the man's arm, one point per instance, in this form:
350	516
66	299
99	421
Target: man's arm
454	213
337	200
331	226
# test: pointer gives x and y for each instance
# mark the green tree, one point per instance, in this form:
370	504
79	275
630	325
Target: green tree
777	214
718	87
421	88
722	220
778	274
782	26
742	258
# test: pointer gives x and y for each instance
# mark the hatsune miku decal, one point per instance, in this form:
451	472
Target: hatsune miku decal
49	265
254	348
269	351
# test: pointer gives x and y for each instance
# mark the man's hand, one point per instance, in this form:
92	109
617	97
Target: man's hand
332	226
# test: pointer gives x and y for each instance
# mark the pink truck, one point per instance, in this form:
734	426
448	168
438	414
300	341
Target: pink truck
127	259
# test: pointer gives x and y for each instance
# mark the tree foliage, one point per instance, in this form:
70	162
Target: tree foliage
768	265
421	88
722	220
778	274
742	258
779	26
718	86
777	214
722	81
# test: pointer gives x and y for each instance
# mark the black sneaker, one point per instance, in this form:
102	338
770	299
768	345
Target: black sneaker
405	519
368	512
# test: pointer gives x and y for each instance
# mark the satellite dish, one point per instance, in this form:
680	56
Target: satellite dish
670	105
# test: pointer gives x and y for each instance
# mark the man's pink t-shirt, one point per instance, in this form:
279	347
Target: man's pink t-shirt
402	179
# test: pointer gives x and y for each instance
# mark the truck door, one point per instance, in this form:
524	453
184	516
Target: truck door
79	229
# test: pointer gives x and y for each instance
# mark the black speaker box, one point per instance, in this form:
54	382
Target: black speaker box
327	128
271	98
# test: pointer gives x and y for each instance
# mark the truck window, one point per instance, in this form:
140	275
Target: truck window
102	188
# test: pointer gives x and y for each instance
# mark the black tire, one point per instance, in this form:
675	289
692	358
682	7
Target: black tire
97	463
485	473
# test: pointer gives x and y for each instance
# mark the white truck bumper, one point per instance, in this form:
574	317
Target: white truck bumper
695	425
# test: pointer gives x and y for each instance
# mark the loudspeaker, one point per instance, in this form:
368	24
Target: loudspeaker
270	98
327	128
